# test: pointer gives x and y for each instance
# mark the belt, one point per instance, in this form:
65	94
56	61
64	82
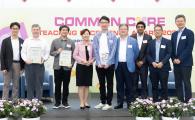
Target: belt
16	61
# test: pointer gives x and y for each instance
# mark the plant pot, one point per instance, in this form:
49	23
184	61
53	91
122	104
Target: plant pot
169	118
144	118
3	118
193	117
38	118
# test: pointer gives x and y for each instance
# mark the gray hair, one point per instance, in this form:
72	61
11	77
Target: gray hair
121	25
36	25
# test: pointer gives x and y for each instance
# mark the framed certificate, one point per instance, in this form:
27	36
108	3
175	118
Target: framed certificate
104	58
35	54
65	58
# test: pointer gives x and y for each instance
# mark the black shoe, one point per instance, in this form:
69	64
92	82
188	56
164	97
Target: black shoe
118	106
65	105
56	106
87	106
82	108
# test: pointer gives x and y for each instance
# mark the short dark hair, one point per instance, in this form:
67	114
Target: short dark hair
158	25
180	16
104	18
85	30
142	23
14	23
64	26
124	25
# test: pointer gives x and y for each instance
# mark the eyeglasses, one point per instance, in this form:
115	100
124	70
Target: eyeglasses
140	26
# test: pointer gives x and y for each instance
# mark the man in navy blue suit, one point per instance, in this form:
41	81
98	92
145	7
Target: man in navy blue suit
183	42
158	55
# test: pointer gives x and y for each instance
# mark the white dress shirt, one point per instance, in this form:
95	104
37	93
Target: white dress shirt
103	48
16	49
140	40
32	42
122	50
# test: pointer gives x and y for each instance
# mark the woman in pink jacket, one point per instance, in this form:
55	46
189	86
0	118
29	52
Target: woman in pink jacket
83	54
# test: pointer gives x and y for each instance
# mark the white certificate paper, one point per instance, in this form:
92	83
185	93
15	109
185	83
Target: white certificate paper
65	58
35	54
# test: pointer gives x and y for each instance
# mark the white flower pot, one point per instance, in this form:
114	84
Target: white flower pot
193	117
144	118
38	118
3	118
169	118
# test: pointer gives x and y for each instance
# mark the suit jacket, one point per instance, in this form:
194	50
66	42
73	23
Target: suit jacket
7	54
142	52
112	42
185	47
56	44
132	51
164	55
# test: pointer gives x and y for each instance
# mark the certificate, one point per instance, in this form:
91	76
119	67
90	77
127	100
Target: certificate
104	58
35	54
65	58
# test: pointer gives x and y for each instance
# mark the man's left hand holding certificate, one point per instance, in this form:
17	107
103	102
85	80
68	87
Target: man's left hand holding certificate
34	55
65	58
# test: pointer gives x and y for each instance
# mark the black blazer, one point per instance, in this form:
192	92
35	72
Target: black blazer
143	50
7	54
164	55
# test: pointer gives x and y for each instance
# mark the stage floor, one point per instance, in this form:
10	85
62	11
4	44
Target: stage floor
74	113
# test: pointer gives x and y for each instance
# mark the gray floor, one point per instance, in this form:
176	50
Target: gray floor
74	113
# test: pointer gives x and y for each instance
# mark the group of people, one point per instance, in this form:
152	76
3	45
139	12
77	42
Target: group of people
130	57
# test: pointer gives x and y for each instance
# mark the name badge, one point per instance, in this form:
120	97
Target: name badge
21	45
183	37
68	45
129	46
145	41
163	46
110	41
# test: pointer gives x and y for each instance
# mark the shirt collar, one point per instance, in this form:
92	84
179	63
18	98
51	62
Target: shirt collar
14	39
159	40
181	30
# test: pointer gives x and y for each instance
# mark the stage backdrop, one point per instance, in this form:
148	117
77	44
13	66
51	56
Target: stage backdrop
79	18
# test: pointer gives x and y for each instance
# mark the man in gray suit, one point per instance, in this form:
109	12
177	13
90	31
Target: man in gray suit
62	73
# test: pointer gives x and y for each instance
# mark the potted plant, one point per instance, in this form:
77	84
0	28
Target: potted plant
5	109
30	109
143	109
170	109
189	109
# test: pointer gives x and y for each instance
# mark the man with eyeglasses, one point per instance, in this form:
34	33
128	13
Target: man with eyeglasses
158	55
141	63
11	61
104	44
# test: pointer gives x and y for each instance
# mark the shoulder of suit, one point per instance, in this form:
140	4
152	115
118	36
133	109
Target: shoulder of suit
189	30
132	39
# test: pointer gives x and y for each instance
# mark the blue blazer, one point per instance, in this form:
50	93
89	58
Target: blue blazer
185	47
164	55
131	53
112	42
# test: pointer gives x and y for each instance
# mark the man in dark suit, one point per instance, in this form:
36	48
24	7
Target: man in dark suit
141	62
158	55
183	43
11	62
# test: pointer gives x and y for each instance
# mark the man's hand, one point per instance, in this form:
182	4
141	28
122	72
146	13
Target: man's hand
140	63
28	62
160	65
4	71
176	61
154	64
106	66
60	50
100	66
